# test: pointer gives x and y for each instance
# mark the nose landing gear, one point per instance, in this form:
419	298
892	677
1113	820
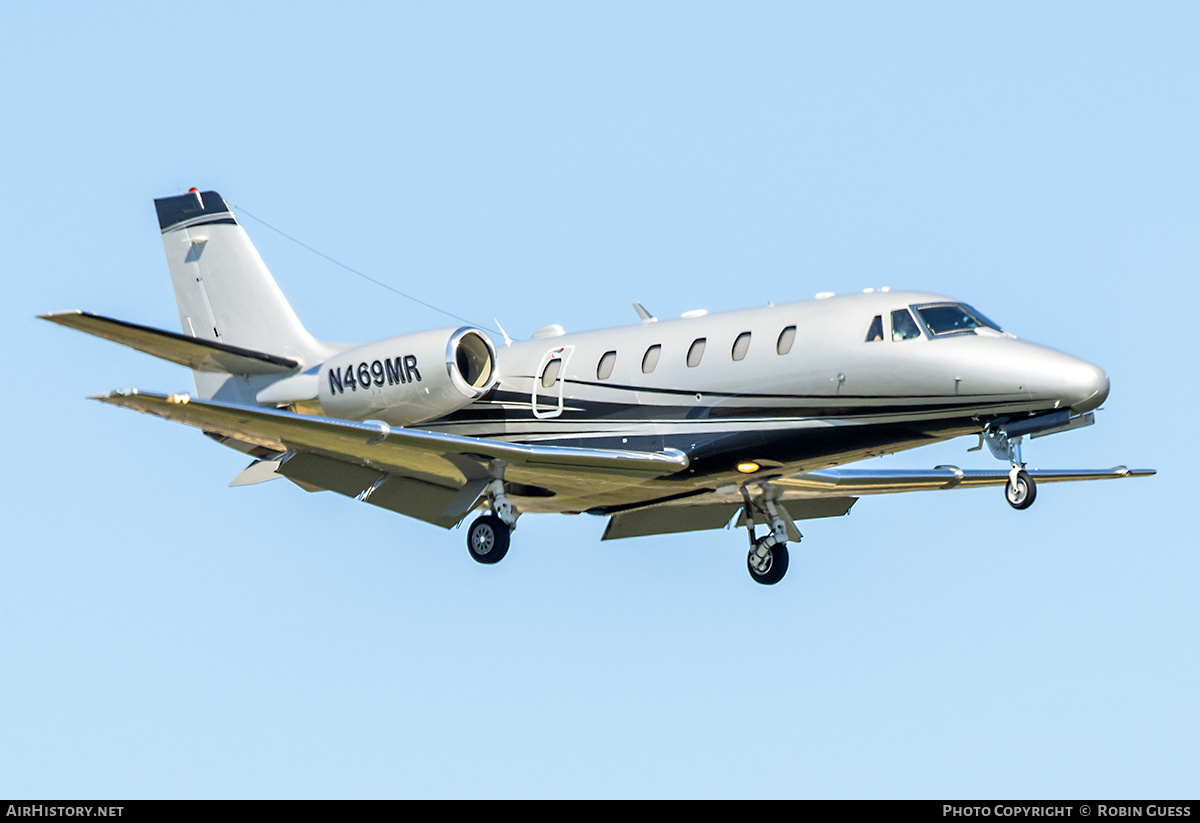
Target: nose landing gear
1020	491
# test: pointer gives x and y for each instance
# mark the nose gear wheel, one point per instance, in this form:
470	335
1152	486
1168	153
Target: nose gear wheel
1020	490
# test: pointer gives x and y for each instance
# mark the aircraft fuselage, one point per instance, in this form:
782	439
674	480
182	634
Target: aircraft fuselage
794	387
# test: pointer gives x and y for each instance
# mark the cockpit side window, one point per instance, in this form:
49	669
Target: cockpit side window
903	326
876	331
953	318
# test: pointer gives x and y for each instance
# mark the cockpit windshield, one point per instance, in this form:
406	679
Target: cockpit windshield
953	318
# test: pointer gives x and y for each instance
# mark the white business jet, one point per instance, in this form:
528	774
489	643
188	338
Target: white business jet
663	427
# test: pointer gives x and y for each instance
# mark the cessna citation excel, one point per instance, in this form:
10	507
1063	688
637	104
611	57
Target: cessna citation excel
663	427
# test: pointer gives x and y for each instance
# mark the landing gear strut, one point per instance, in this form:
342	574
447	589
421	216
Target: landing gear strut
767	561
488	536
1020	491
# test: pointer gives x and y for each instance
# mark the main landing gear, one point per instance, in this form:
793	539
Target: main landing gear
487	539
1020	491
488	536
767	561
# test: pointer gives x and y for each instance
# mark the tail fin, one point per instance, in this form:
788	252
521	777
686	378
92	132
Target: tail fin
225	292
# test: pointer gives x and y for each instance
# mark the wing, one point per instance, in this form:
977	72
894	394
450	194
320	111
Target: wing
439	477
829	493
428	475
864	481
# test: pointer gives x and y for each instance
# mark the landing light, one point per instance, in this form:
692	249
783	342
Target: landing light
749	467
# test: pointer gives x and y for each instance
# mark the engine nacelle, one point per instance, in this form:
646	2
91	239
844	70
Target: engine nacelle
409	379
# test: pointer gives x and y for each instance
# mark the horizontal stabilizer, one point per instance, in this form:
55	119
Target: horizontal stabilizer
197	354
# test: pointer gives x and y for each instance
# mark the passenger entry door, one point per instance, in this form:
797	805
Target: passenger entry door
546	398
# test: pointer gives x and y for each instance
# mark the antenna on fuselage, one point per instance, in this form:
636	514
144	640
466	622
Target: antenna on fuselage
646	316
507	339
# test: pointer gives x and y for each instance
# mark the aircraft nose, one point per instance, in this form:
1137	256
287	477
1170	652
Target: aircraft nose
1086	386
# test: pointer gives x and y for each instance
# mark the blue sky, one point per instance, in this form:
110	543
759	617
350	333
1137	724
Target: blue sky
163	635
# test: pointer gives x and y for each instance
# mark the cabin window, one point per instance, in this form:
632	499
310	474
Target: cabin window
696	352
550	373
903	326
605	366
876	331
650	360
741	346
786	337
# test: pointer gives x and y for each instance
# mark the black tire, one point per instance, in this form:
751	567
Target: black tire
487	539
777	568
1022	495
